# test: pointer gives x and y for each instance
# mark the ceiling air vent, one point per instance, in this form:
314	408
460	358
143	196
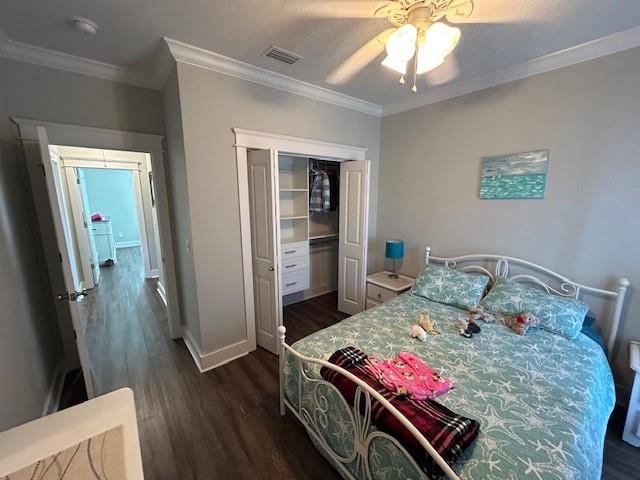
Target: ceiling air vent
282	55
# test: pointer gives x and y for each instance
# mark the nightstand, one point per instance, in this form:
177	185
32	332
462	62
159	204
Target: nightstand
632	425
381	287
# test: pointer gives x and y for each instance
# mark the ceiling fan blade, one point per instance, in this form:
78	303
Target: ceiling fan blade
345	9
360	59
493	11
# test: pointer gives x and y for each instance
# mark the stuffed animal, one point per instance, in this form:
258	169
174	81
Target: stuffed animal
428	325
477	313
468	327
521	322
418	332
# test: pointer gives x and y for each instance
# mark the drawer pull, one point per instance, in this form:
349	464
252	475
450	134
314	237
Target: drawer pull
291	266
290	284
379	296
288	252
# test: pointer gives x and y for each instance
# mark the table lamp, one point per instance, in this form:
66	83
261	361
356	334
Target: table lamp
394	249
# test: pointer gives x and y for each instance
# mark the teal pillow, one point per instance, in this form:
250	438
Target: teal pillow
559	315
451	287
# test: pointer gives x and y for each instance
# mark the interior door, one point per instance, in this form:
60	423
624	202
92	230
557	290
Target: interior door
352	248
264	247
61	223
86	213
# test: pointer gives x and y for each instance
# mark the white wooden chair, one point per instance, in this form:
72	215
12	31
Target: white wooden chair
94	440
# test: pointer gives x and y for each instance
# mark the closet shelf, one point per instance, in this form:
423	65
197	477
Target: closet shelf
325	236
294	189
293	217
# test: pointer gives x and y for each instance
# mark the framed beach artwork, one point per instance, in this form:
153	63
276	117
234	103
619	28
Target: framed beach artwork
514	176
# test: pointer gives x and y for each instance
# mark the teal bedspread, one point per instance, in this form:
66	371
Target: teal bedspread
543	401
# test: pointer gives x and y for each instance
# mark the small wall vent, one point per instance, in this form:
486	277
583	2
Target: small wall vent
282	55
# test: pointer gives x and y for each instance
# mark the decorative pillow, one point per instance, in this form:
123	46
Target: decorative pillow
563	316
521	322
446	285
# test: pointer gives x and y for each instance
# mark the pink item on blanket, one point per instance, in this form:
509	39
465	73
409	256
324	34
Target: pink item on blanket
96	217
408	375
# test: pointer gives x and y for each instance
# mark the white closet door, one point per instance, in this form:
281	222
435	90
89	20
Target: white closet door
264	247
352	250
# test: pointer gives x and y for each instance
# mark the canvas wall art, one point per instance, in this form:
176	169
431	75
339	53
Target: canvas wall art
514	176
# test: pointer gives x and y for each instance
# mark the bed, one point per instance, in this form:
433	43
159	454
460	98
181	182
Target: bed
543	400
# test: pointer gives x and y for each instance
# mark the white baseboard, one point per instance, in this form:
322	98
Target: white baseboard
128	244
306	295
162	293
154	273
211	360
52	402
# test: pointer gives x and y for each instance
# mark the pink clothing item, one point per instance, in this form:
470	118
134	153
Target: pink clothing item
408	375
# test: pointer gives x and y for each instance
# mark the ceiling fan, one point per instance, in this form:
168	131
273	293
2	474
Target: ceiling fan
419	38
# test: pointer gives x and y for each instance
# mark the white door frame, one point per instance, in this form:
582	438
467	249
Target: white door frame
81	136
255	140
142	198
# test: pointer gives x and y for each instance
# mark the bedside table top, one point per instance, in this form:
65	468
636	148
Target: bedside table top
382	279
634	355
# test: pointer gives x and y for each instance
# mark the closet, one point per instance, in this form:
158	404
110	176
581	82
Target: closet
301	247
308	233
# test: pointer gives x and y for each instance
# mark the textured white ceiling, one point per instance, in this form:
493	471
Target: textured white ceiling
506	32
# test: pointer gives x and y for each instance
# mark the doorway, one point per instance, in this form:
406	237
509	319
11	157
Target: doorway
58	159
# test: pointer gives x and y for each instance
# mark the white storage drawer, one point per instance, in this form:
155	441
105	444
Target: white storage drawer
294	249
295	281
294	264
379	294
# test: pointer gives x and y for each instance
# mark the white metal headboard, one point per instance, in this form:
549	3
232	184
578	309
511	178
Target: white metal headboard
498	266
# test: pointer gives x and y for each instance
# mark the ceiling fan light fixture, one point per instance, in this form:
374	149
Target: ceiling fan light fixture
441	39
426	60
401	45
395	64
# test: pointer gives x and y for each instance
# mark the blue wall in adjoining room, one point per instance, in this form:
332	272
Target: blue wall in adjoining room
110	193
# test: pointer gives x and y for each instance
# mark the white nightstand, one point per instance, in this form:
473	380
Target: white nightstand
381	287
632	425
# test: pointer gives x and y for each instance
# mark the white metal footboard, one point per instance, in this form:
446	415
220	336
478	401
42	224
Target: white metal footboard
314	417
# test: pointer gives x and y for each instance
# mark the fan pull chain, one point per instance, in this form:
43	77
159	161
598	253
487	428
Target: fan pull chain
401	79
414	89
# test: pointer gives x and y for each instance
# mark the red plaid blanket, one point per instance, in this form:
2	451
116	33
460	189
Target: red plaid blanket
448	433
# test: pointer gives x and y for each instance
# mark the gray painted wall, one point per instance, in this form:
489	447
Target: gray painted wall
211	105
587	226
176	172
30	345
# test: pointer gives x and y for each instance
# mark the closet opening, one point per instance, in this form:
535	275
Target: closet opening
304	232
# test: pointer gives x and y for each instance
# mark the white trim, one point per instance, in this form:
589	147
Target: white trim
209	361
81	136
129	244
308	294
24	52
52	402
199	57
162	293
600	47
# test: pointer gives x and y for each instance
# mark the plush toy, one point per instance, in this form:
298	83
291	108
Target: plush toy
521	322
428	325
477	313
467	328
418	332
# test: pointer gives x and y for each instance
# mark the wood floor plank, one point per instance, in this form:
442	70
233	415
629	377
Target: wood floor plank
223	423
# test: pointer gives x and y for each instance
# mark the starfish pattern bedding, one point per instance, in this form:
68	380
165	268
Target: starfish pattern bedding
542	400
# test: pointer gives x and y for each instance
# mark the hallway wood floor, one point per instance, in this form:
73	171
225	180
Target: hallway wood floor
224	423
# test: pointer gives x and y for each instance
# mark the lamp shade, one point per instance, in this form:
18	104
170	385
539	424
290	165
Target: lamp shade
394	249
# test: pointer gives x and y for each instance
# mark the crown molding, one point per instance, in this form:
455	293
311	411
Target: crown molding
600	47
24	52
200	57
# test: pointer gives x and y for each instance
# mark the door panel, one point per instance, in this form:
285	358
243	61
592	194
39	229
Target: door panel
352	250
86	212
264	247
66	255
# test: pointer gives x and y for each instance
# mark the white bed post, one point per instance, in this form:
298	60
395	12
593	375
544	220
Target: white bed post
427	253
282	331
623	284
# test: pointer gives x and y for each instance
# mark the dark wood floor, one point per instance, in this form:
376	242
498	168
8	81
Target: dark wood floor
223	423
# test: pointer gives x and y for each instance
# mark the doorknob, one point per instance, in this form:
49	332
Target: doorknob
271	269
73	296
